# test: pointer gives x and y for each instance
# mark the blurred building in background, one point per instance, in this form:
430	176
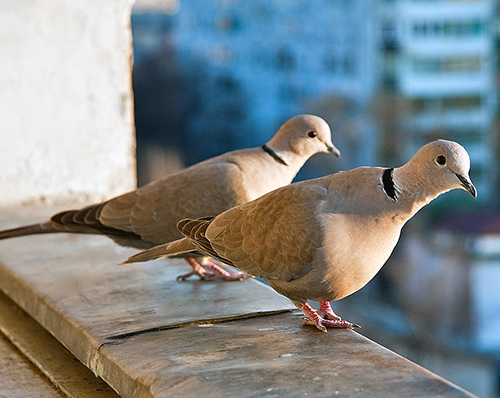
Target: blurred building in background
442	57
240	69
389	76
265	61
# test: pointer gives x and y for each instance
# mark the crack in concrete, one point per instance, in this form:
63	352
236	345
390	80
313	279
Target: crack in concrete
120	338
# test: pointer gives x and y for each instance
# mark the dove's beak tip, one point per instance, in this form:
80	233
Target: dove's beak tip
332	149
467	185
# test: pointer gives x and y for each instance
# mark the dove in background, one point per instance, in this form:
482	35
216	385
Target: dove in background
324	239
148	216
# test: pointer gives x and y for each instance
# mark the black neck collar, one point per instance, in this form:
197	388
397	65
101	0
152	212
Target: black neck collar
388	183
275	156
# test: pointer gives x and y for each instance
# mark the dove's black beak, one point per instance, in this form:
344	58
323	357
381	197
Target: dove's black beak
332	149
467	184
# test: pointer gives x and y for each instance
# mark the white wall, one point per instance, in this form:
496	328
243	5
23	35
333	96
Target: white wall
66	104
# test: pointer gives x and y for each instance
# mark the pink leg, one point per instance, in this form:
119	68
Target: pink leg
313	318
325	311
207	271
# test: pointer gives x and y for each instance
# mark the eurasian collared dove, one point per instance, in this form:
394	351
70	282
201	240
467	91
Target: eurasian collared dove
324	239
148	216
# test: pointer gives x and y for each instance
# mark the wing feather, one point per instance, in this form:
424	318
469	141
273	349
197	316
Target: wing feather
153	211
262	237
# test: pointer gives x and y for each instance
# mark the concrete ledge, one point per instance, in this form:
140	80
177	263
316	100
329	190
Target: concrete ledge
62	371
148	335
18	376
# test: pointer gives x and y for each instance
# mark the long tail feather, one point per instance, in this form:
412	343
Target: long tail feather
32	229
166	250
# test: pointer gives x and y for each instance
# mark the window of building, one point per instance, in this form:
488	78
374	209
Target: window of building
389	35
420	29
452	29
419	105
463	28
468	102
477	27
448	28
449	65
424	66
461	64
436	28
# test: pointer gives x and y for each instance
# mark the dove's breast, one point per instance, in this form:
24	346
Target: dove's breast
350	255
354	249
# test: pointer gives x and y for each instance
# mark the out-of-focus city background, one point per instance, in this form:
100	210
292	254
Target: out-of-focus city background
388	76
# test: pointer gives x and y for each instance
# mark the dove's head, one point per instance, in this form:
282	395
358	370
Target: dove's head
304	135
443	165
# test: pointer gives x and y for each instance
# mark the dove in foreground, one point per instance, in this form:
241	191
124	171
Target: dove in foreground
324	239
148	216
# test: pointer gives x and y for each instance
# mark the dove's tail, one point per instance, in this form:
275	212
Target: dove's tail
166	250
32	229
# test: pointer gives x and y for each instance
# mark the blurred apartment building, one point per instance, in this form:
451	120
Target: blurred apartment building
265	61
441	56
253	64
256	63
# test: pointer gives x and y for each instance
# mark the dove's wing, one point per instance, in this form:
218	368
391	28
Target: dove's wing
275	236
152	212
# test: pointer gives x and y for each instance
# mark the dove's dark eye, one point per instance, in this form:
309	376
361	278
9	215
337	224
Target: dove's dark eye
312	134
441	160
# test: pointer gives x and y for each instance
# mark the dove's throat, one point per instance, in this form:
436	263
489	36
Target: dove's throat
413	191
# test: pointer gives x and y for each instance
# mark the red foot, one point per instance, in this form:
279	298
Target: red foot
313	318
208	271
325	311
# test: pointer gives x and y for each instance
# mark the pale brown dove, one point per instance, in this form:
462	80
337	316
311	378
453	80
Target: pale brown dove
148	216
324	239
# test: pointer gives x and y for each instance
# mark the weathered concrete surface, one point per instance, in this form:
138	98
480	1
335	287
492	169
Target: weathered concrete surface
19	378
66	120
66	374
271	356
148	335
73	286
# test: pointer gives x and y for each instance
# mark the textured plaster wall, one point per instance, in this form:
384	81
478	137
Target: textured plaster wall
66	104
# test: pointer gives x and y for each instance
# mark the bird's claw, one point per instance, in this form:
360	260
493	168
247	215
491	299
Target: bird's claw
216	271
323	324
213	272
203	276
307	321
